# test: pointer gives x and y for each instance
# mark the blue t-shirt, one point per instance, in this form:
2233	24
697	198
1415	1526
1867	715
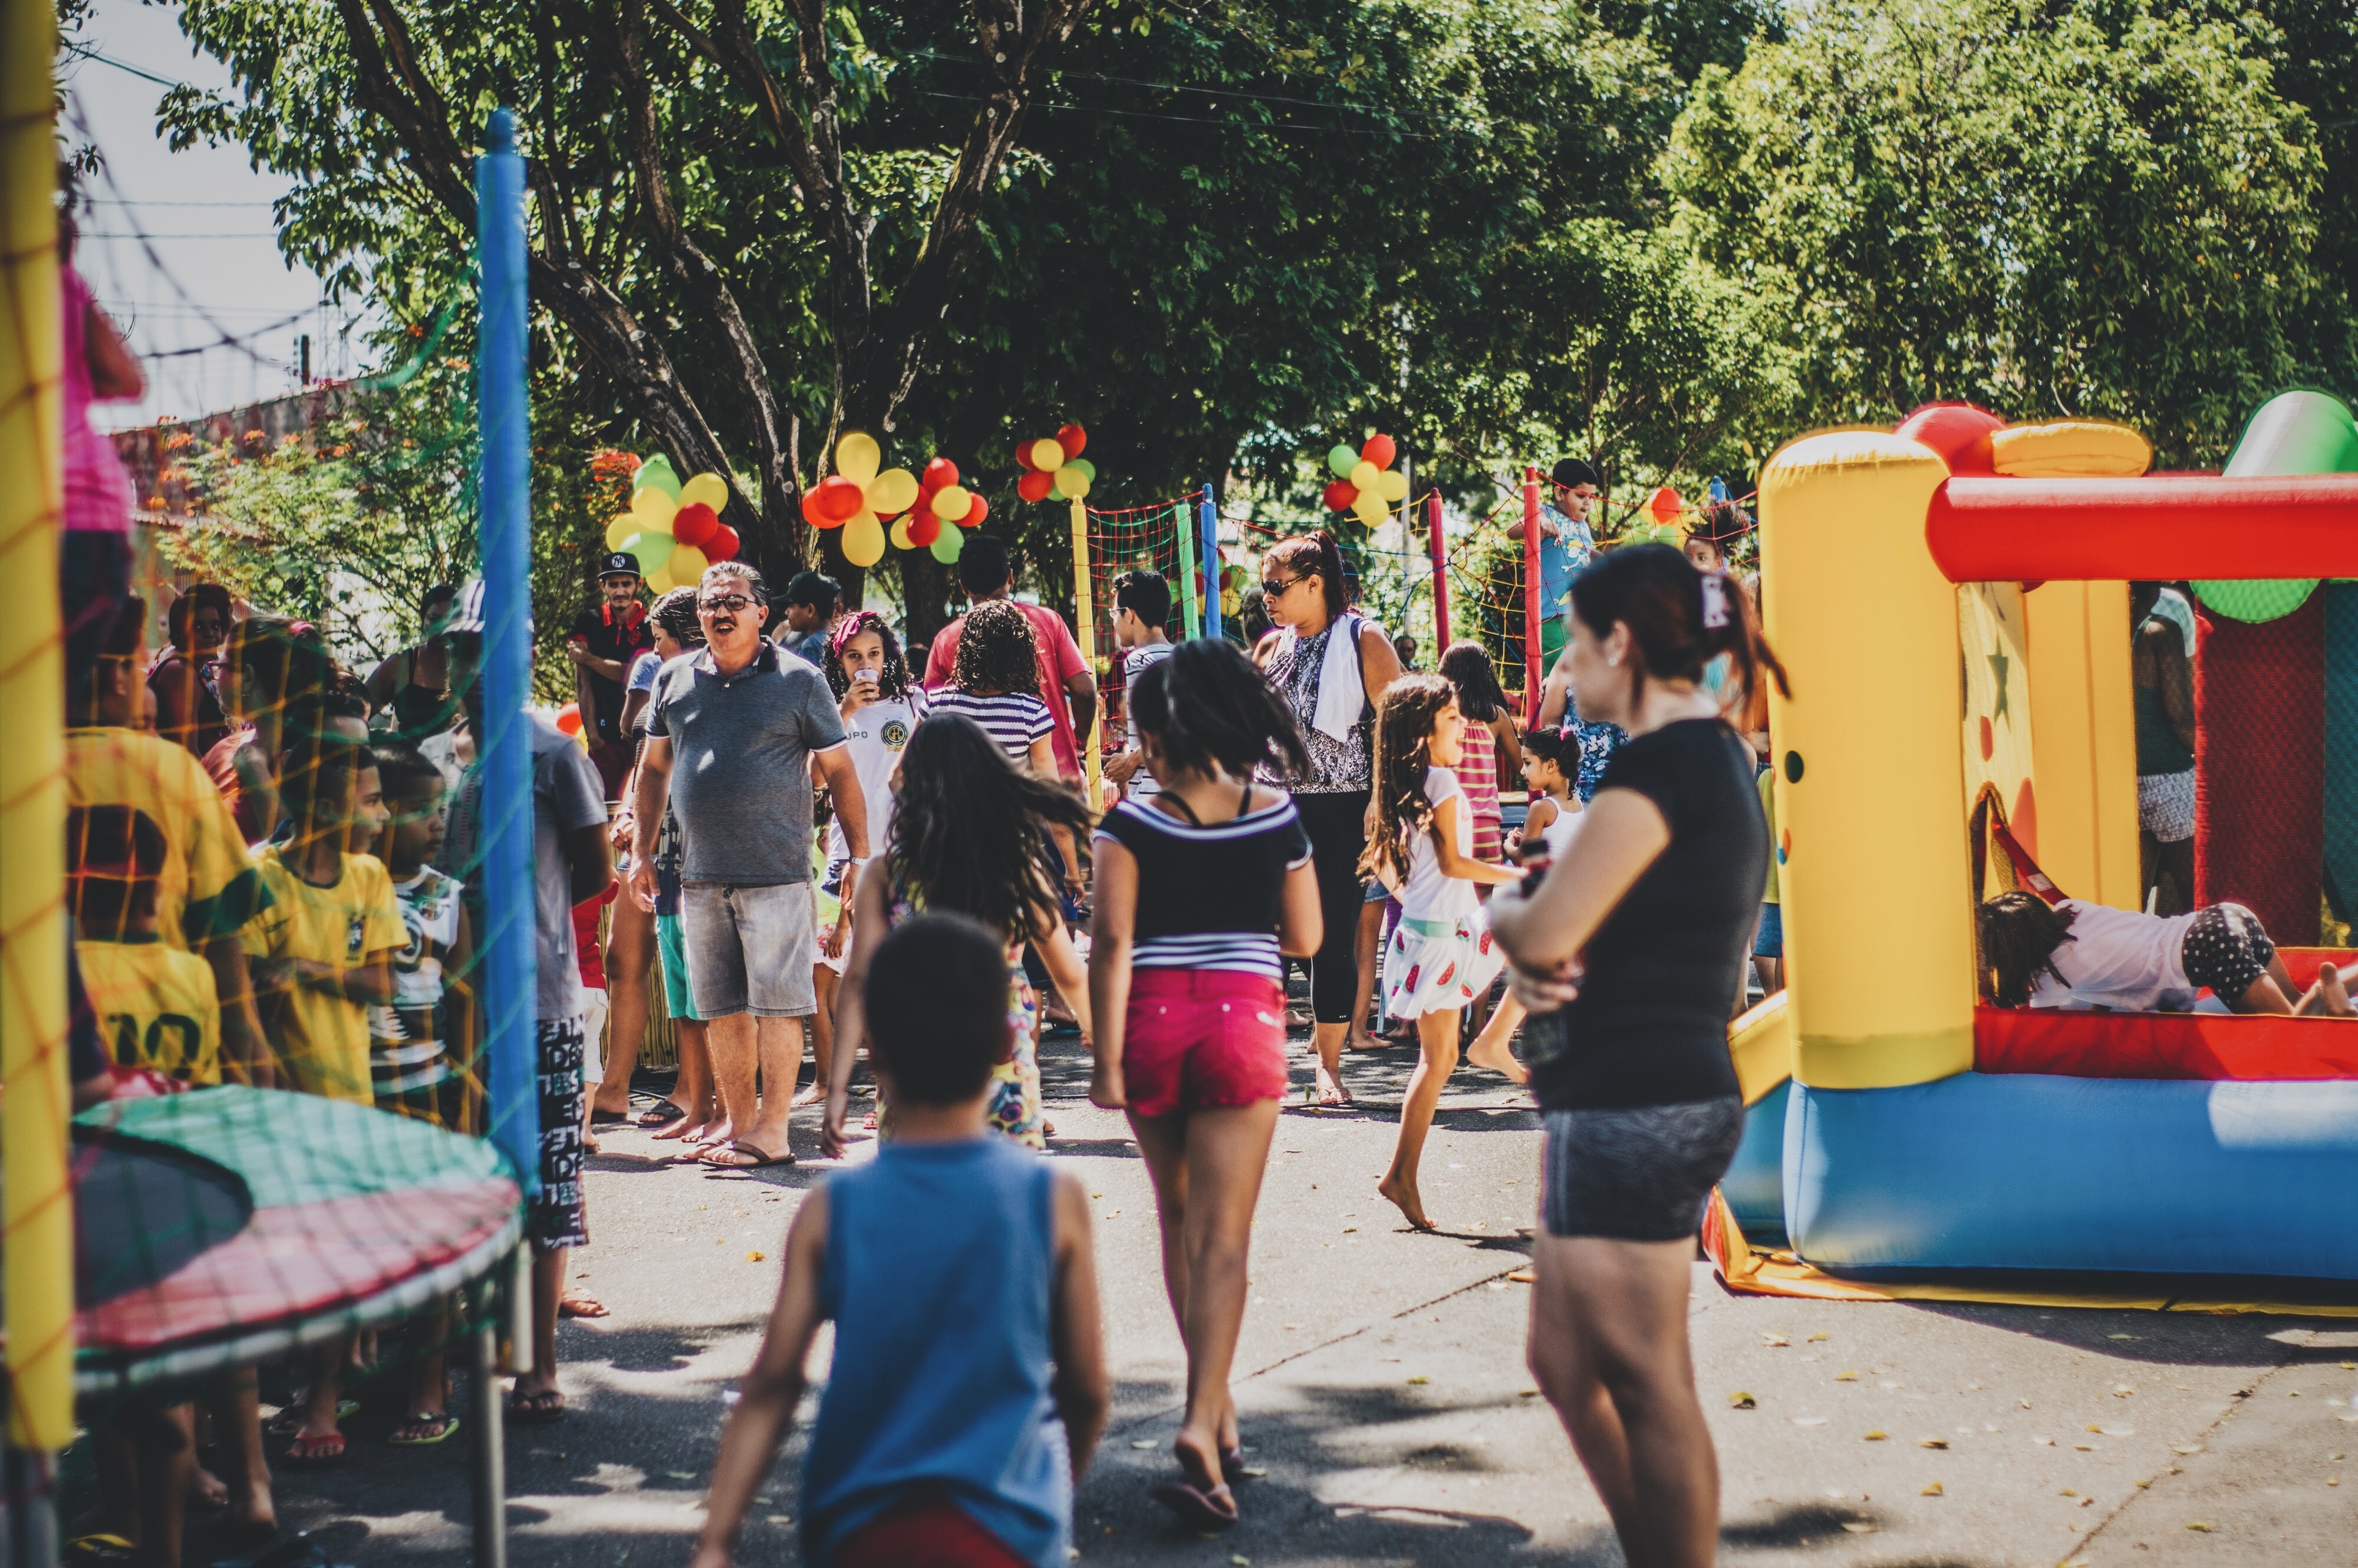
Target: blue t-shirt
1559	558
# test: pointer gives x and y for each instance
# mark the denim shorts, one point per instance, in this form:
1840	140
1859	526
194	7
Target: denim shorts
1635	1173
749	950
1769	941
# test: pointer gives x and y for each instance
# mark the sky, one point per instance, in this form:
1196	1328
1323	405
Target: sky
207	215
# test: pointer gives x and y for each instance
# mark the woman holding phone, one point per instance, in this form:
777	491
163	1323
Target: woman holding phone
1625	952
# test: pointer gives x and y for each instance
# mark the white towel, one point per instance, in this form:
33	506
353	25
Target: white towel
1341	693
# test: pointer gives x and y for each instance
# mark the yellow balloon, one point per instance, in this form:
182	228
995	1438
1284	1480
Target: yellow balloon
857	457
952	501
655	509
1364	475
687	564
900	535
708	488
864	540
1393	485
1370	508
660	580
1073	482
622	528
894	489
1047	456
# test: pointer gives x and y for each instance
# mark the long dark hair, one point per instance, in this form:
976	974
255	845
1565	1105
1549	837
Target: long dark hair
1404	722
1479	697
2020	933
1206	705
1680	619
996	651
967	828
893	681
1316	551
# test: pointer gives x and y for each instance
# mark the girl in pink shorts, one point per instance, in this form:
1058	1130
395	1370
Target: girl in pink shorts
1200	892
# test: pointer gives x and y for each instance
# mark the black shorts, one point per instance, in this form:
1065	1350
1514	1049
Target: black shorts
2226	949
1640	1173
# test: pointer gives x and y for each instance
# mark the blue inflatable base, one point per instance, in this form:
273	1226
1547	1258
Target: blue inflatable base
1753	1186
2075	1175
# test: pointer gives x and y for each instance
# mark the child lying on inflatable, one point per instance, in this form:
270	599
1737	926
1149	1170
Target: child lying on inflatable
2077	955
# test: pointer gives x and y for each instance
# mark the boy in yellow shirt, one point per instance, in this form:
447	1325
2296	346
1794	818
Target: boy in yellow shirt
156	1007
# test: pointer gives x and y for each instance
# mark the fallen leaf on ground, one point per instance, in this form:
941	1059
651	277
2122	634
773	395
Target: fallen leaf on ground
1255	1471
1932	1491
1742	1400
752	1257
1846	1377
1857	1528
1814	1338
1878	1435
1932	1443
2067	1492
2185	1448
2202	1524
1523	1277
1773	1340
1420	1378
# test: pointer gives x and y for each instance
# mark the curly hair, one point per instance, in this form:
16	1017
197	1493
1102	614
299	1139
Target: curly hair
2020	933
968	829
893	681
675	613
996	651
1404	726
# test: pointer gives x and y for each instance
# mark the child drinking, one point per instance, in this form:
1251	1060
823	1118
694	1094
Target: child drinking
966	829
968	1387
1440	956
1200	888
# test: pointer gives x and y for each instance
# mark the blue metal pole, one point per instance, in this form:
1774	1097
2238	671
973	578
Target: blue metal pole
1209	516
506	438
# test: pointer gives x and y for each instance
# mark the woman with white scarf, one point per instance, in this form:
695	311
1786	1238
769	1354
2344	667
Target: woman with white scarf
1332	667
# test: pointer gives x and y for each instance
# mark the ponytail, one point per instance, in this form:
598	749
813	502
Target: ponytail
1316	551
1680	619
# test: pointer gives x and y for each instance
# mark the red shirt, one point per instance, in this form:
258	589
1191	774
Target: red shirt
589	954
1060	659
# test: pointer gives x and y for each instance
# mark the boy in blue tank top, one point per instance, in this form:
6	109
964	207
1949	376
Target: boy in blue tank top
968	1387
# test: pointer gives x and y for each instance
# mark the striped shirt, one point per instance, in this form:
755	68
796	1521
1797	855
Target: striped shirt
1208	896
1013	719
1134	663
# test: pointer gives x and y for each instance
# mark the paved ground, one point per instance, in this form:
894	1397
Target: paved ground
1383	1391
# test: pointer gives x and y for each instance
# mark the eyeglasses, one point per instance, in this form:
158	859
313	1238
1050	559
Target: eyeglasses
1272	589
727	604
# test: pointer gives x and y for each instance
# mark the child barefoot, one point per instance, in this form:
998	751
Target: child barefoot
968	1388
1440	956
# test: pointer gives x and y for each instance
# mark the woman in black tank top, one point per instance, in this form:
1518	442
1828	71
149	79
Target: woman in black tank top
1627	953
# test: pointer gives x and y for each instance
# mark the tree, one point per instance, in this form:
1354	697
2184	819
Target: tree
2090	208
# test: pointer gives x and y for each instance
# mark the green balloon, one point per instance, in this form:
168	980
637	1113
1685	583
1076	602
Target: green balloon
2255	600
949	544
653	549
1343	459
1085	466
653	478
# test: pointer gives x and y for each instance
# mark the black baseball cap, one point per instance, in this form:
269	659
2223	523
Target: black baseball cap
1571	472
622	563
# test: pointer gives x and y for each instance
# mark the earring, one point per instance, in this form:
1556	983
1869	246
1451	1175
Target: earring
1614	659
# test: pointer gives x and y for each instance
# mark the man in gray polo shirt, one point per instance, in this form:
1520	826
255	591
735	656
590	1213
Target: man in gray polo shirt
733	734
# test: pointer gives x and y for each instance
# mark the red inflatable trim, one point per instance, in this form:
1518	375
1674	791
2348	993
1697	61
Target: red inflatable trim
2113	530
2202	1047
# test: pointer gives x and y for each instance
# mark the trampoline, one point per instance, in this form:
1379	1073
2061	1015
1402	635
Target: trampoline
229	1225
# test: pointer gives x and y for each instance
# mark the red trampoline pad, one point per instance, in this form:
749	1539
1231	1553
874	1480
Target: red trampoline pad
2207	1046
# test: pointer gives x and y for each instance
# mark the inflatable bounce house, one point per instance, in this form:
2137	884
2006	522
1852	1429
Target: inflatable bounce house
1950	599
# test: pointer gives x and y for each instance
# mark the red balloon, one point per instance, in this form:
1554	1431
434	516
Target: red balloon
569	719
1024	457
722	546
924	529
811	512
839	501
1072	437
1958	431
1035	485
940	474
693	523
1379	451
1340	495
974	513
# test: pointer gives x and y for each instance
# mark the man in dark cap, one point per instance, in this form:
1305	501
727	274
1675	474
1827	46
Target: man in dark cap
601	643
1565	545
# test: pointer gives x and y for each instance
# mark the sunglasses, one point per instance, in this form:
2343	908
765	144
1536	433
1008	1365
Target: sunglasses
727	603
1272	588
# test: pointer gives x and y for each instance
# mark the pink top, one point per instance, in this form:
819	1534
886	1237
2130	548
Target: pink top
1477	776
97	491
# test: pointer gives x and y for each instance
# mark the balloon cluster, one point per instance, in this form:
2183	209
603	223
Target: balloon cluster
1365	485
856	498
945	513
1665	507
1234	583
1054	466
674	529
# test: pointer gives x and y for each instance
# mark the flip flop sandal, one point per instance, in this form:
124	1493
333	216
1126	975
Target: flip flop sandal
762	1158
100	1550
448	1424
1197	1506
609	1117
657	1117
289	1421
311	1453
543	1409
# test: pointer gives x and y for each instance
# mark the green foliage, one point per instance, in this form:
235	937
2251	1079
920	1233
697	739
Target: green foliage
2056	211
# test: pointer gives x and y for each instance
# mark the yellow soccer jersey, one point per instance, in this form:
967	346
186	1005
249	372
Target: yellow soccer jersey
321	1040
210	887
155	1006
